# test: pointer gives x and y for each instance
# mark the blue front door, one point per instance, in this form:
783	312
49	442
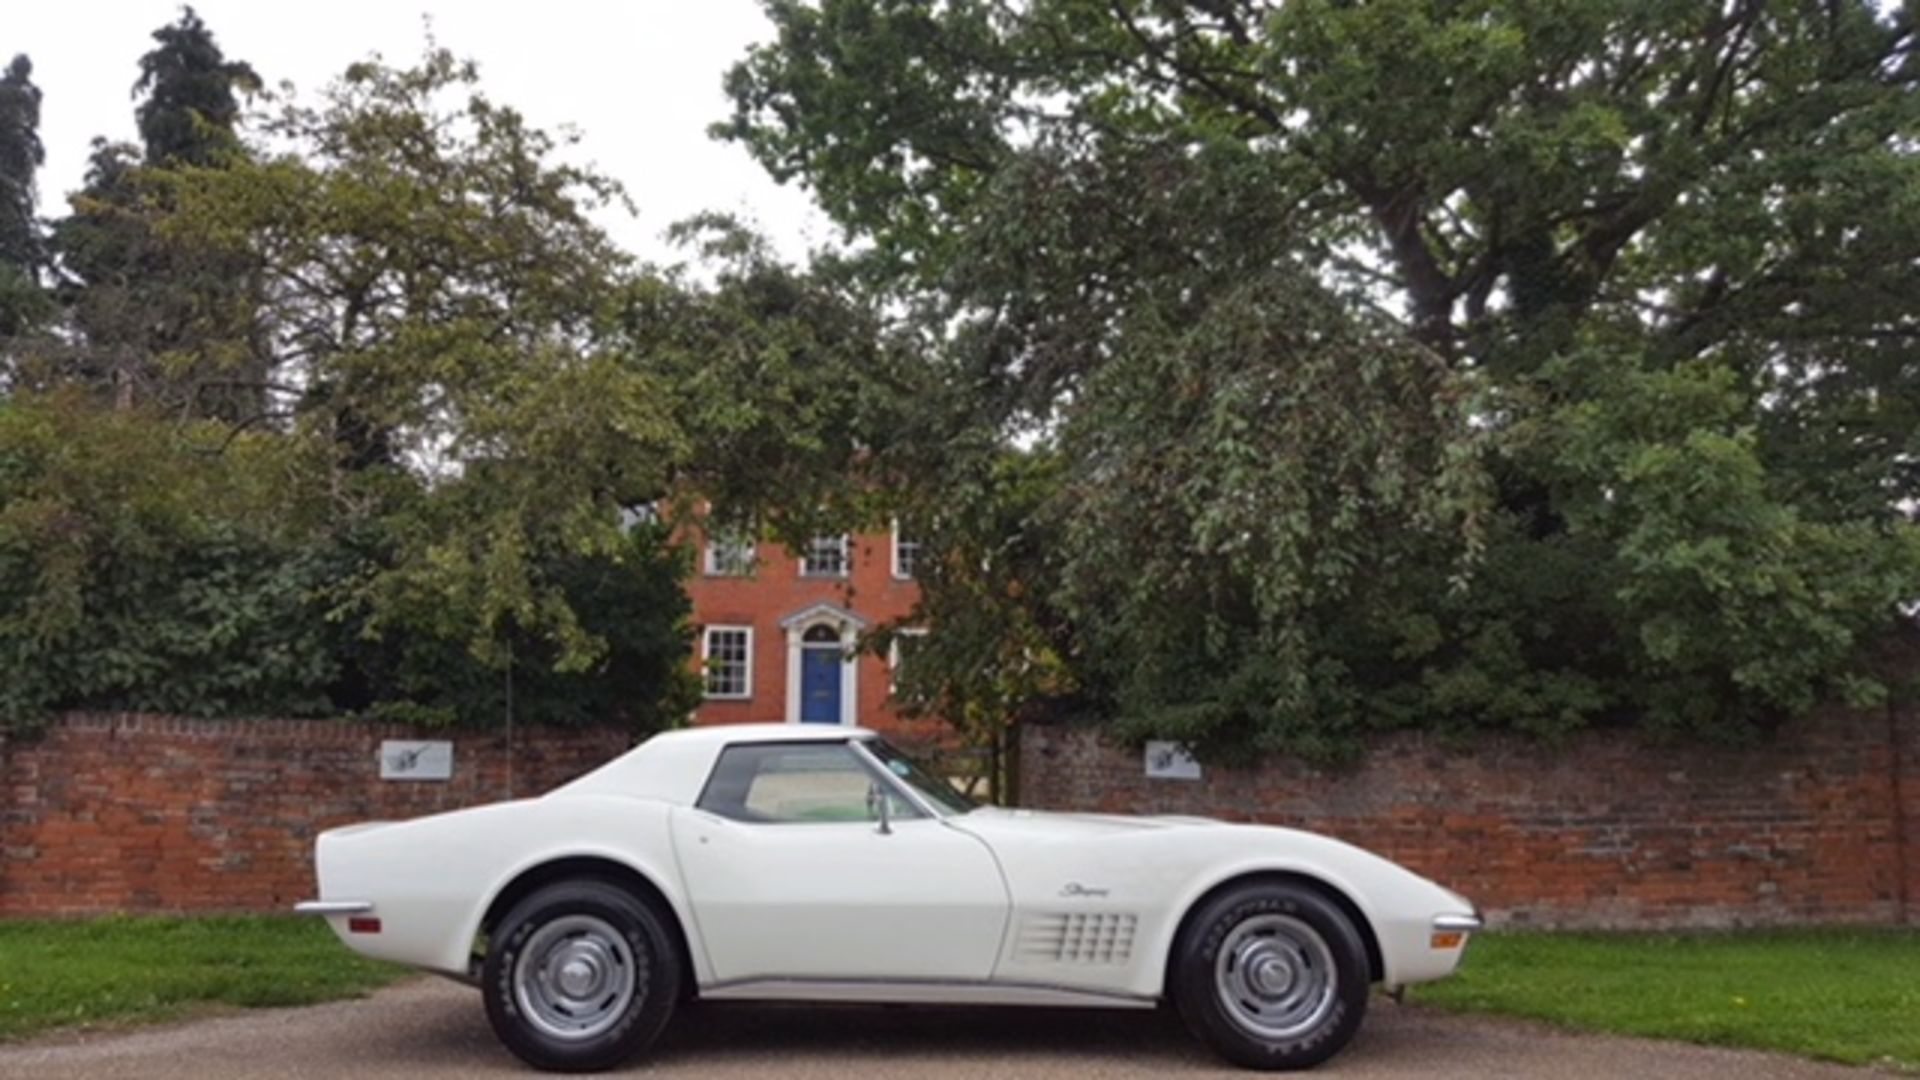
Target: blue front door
820	686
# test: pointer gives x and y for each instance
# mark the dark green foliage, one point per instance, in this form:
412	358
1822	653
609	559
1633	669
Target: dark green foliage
158	318
787	377
421	667
119	291
22	248
21	156
192	104
1250	486
157	567
1662	254
210	624
461	385
141	570
1003	648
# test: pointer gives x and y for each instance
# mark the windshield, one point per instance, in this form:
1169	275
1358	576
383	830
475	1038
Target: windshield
937	791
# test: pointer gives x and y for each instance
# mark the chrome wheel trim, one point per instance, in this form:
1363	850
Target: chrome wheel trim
1275	977
575	977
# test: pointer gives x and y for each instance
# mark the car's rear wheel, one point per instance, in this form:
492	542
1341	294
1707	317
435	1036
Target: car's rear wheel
1272	975
580	976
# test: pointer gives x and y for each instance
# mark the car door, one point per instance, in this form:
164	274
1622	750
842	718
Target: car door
790	875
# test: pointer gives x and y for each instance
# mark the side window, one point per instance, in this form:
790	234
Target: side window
906	555
731	554
827	556
900	652
795	783
729	662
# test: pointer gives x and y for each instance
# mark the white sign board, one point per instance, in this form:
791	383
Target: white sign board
407	759
1170	761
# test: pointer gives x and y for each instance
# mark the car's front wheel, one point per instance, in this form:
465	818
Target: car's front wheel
580	976
1272	975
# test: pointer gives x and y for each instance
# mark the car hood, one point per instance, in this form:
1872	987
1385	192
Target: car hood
1184	832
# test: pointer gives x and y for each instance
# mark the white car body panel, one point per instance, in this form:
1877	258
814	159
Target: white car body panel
1152	871
1007	906
431	879
924	902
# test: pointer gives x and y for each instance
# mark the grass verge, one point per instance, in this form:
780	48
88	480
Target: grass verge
1846	995
124	969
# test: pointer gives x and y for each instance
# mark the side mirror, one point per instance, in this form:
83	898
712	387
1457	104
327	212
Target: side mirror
879	807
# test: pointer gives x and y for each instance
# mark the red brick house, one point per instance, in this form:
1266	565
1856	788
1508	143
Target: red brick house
778	635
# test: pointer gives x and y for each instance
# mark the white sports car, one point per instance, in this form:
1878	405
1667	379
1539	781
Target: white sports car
788	863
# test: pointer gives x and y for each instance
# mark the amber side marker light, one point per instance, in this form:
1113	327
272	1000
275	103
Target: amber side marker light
1447	939
367	924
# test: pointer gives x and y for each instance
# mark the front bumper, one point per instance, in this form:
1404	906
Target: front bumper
1420	950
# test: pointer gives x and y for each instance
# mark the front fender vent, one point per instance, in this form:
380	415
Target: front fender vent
1076	938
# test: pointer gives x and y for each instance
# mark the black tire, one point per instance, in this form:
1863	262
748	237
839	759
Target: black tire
1278	922
623	941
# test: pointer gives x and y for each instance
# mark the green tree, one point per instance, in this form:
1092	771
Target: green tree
22	251
473	389
1005	649
421	667
156	319
454	321
499	380
153	565
191	107
149	564
1662	253
432	507
785	377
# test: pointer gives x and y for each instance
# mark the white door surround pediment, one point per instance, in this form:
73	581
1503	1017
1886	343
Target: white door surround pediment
823	612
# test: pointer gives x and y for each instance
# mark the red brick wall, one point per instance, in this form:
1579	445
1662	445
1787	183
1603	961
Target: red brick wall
147	813
1905	724
1821	824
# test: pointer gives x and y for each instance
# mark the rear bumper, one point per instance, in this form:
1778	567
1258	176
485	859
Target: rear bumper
333	907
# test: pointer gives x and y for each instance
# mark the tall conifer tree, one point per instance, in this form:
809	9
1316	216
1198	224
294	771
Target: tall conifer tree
22	251
192	103
162	323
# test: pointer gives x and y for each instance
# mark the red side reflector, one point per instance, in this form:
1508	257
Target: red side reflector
363	924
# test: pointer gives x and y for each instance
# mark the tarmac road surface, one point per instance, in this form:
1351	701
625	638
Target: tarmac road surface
434	1028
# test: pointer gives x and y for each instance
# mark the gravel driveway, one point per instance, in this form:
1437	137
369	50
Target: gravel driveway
429	1027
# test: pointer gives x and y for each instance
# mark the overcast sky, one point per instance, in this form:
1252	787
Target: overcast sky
639	78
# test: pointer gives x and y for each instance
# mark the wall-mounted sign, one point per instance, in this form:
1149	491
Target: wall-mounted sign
407	759
1170	761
